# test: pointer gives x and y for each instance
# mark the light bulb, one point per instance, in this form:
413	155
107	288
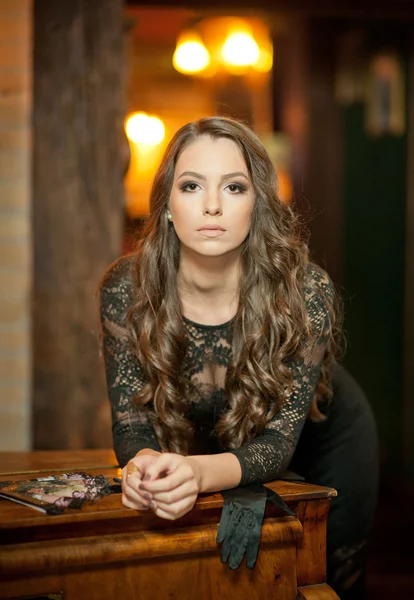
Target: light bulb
240	49
144	129
190	56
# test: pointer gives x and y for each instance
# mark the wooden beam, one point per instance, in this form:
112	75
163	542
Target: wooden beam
311	117
77	212
364	9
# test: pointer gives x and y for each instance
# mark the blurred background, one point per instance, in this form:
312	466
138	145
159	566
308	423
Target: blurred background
91	91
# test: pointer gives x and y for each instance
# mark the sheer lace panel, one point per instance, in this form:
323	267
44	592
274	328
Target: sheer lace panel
205	365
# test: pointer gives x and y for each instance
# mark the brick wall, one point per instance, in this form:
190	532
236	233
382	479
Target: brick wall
15	238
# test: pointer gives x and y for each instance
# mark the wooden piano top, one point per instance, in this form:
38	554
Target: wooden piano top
108	511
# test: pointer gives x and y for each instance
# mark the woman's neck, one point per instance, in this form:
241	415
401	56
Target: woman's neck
209	286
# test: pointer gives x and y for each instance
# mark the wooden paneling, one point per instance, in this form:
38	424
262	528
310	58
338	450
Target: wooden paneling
313	515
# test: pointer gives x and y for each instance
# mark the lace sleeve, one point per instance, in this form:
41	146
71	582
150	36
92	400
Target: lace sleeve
124	377
268	455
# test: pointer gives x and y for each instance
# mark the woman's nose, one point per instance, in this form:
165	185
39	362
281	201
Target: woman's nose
212	205
212	211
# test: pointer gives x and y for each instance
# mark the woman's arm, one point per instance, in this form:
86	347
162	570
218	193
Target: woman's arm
124	377
267	456
218	471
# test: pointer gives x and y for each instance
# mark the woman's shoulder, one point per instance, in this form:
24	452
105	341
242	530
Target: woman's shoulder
119	273
318	283
116	286
319	297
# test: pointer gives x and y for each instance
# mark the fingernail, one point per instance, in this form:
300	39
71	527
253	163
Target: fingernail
146	477
147	496
142	487
151	504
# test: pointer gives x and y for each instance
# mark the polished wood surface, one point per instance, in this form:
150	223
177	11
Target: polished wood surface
57	460
105	550
316	592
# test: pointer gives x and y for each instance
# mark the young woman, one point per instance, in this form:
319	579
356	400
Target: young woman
219	338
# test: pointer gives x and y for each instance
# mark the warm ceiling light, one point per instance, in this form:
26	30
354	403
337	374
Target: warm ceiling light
240	49
265	61
190	56
143	129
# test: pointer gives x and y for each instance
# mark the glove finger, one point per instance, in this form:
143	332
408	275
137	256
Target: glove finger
241	540
229	538
243	528
226	549
236	516
224	523
253	546
255	533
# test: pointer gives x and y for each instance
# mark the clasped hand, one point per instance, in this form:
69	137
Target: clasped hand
166	483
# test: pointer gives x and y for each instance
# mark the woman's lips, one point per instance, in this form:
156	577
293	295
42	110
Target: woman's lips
211	232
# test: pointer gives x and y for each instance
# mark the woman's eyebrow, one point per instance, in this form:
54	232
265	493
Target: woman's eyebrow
235	174
191	174
223	177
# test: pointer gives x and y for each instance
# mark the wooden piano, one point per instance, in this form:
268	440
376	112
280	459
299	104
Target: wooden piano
105	551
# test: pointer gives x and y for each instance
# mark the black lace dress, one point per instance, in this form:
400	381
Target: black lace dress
208	354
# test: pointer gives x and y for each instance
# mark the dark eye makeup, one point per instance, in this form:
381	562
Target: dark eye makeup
189	186
235	188
238	188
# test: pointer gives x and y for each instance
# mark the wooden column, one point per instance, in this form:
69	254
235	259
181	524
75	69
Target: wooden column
311	117
408	419
77	212
324	180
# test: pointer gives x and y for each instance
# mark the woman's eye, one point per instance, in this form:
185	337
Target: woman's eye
189	187
236	188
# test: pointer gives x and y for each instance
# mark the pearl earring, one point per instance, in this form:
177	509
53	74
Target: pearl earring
169	216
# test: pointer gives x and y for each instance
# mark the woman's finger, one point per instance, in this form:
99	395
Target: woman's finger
129	478
135	498
138	465
185	490
130	489
173	511
170	482
131	475
167	462
165	515
131	504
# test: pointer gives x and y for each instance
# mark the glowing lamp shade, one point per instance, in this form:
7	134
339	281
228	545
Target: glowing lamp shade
190	56
145	130
240	49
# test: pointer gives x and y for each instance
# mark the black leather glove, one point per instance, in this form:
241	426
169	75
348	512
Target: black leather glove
241	522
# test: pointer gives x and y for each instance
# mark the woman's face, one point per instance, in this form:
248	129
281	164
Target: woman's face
211	188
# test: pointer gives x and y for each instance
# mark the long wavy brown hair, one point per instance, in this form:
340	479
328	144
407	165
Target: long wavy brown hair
270	327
